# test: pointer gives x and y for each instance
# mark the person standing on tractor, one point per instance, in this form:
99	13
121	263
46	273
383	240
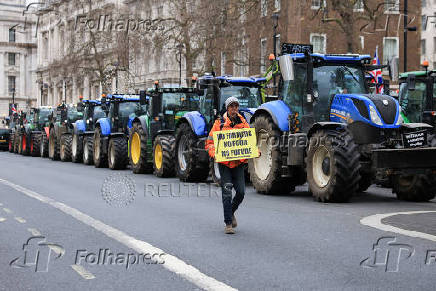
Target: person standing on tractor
232	172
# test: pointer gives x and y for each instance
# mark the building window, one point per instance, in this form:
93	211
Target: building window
319	42
11	84
424	3
358	6
316	4
392	6
262	55
11	35
390	48
11	58
424	22
264	8
223	63
423	47
277	4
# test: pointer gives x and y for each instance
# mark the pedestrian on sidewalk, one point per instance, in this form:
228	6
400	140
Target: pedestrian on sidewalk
232	172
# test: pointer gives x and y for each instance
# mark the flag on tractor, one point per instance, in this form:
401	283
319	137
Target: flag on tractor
377	76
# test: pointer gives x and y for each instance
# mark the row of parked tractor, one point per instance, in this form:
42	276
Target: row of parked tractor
326	128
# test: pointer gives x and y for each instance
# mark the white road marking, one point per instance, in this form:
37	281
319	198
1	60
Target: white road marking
172	263
83	272
34	231
20	219
2	219
7	210
375	221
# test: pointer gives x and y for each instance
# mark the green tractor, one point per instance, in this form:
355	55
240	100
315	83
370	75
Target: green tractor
60	130
112	132
152	137
30	140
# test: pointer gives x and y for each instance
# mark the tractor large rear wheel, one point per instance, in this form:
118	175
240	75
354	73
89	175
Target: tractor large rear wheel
43	146
266	170
65	148
117	152
188	167
415	187
100	157
163	155
35	142
88	150
76	148
53	146
333	166
138	151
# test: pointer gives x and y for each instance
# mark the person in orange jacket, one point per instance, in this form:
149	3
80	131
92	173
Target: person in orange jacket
232	172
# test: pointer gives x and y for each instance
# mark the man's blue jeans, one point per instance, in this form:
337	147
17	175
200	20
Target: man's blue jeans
231	178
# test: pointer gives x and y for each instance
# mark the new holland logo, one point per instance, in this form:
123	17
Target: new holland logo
385	102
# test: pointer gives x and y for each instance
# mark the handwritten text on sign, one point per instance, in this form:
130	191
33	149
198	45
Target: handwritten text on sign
236	144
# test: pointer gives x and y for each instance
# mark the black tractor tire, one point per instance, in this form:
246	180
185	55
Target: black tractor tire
16	143
333	167
163	150
11	142
415	187
20	144
88	150
100	157
53	146
43	146
138	150
266	176
76	148
117	153
35	142
188	168
25	145
65	148
365	182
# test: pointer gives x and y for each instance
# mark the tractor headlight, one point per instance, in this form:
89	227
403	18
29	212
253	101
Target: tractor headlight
374	116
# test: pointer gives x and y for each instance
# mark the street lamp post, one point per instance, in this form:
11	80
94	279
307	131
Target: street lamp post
275	18
180	47
406	29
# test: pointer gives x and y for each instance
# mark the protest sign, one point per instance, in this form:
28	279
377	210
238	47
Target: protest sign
236	144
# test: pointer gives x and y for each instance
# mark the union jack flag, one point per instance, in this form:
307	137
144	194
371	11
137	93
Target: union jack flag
377	74
13	109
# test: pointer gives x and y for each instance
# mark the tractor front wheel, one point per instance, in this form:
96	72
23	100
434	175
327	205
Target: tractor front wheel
332	166
188	168
25	148
415	187
100	158
138	150
117	150
43	146
76	148
88	150
11	143
53	146
35	141
163	155
65	151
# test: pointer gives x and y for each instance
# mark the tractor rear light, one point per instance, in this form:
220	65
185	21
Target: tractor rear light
433	113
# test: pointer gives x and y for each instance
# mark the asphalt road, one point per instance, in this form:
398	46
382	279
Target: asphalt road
82	235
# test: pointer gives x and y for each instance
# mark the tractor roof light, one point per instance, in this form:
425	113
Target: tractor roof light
271	57
425	64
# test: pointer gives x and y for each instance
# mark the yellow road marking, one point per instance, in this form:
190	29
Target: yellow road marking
34	231
20	219
82	272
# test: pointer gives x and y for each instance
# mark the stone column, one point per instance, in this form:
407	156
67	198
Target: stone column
23	76
3	83
75	96
86	93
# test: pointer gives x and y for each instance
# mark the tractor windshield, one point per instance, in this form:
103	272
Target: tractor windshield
249	97
73	114
128	108
412	102
43	116
98	113
179	101
328	80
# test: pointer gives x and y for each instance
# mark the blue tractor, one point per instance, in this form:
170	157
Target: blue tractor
192	160
111	133
83	131
328	130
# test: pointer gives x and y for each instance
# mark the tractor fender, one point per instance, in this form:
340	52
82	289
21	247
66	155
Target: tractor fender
141	120
104	125
325	125
278	111
79	126
196	121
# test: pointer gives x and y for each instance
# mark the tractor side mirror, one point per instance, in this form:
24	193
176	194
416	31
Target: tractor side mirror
411	82
156	105
393	66
287	67
142	98
64	115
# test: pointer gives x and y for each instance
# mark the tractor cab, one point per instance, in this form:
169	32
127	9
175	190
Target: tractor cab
41	116
123	109
92	111
417	96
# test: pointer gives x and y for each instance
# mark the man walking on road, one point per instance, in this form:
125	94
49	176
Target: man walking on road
232	172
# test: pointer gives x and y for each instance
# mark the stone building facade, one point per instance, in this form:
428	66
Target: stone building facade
17	57
428	35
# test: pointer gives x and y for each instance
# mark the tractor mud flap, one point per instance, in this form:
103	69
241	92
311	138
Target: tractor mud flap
417	158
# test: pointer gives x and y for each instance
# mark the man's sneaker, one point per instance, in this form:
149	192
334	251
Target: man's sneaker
234	222
229	229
